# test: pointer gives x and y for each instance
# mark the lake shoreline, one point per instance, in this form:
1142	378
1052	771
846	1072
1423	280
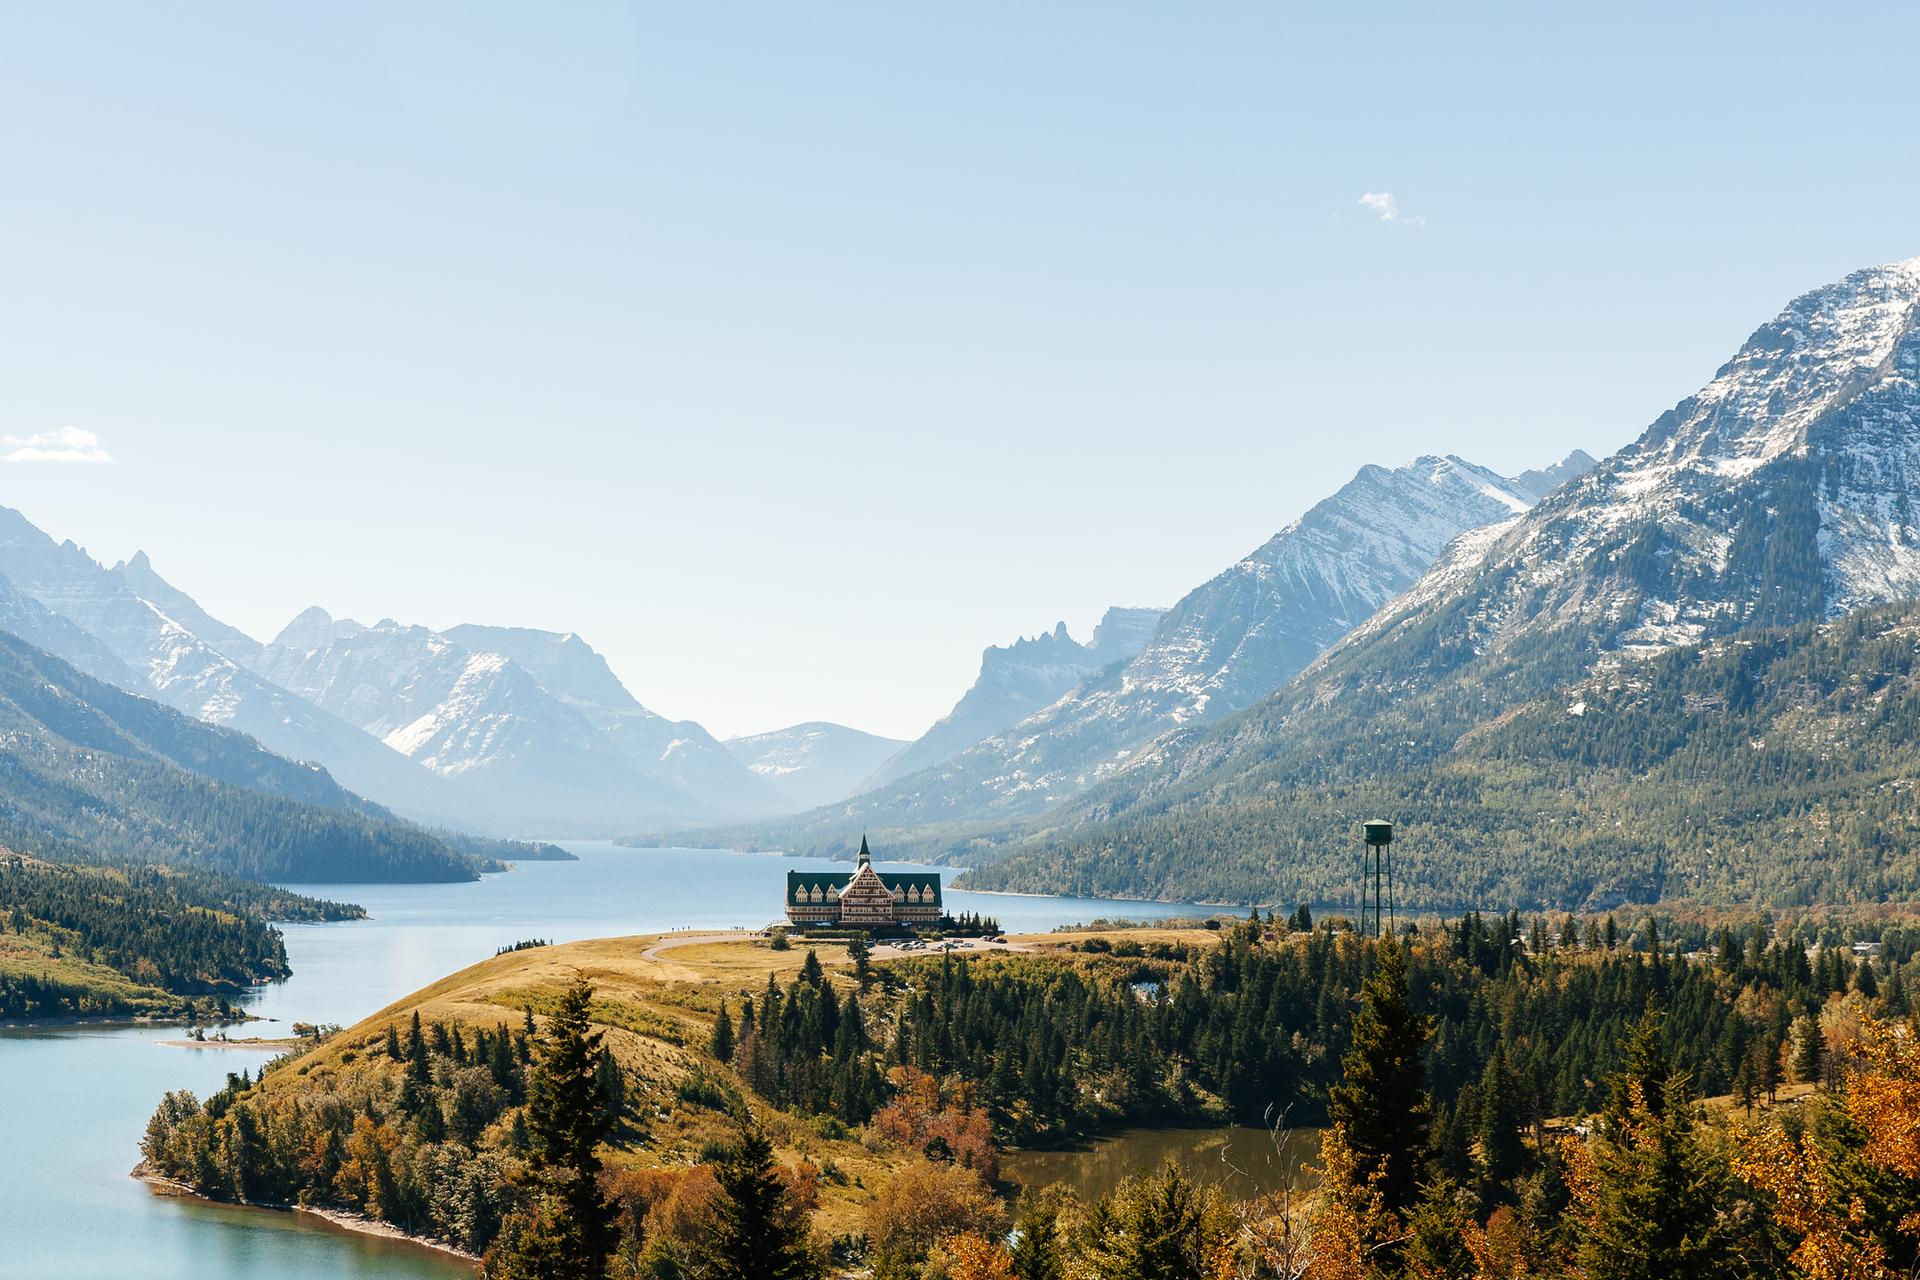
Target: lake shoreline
117	1020
341	1219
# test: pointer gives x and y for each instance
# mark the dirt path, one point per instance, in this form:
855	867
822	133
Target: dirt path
694	939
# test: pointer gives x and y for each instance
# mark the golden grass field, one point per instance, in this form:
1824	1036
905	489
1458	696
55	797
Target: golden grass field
656	996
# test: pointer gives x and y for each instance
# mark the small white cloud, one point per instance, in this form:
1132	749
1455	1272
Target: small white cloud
63	444
1384	204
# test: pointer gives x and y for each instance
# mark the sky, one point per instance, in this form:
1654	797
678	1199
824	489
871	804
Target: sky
793	354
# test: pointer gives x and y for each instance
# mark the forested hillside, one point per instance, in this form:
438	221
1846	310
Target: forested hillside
111	940
1450	1067
1778	765
89	769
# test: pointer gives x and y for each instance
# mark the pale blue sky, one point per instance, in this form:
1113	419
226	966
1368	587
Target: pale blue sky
792	353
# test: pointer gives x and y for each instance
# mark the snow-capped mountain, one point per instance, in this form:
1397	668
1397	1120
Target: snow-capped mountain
679	752
1228	643
1786	491
1246	632
519	753
1017	680
813	763
139	575
163	658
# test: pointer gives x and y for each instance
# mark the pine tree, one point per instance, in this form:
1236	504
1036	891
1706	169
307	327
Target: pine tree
1158	1226
860	951
569	1231
722	1043
1381	1102
1503	1152
1864	981
1038	1253
1810	1051
757	1231
1436	1247
1655	1205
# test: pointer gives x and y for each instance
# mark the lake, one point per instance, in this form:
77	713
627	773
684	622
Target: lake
1244	1162
74	1100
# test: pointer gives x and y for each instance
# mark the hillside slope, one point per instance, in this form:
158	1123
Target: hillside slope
86	768
1232	640
1779	496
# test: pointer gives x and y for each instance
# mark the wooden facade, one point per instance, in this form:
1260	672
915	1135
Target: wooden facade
864	898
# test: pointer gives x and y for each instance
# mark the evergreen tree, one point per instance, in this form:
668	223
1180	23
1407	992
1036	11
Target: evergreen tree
1381	1101
1158	1226
757	1232
722	1043
1657	1198
1864	981
1436	1247
1503	1152
569	1232
860	951
1038	1253
1810	1051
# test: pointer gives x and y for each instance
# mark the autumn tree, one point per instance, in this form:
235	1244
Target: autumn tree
922	1205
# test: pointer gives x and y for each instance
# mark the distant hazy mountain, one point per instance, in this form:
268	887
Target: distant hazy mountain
138	574
518	754
91	769
679	752
121	611
1519	703
814	763
1017	680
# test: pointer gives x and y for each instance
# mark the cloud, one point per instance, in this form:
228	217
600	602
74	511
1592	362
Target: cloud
1383	203
62	444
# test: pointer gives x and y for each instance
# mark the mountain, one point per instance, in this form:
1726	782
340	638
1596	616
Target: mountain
156	654
1780	496
138	573
1542	481
814	763
1017	680
1228	643
92	770
678	752
517	755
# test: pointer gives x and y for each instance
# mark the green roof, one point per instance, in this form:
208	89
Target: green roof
824	880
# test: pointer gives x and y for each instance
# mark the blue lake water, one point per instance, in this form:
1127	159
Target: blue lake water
74	1100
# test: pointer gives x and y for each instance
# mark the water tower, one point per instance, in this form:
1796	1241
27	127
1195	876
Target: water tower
1376	875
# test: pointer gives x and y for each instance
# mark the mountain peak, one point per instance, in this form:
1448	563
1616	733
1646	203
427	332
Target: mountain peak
1825	349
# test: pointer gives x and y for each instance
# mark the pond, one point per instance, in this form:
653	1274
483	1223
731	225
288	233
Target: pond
1244	1162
